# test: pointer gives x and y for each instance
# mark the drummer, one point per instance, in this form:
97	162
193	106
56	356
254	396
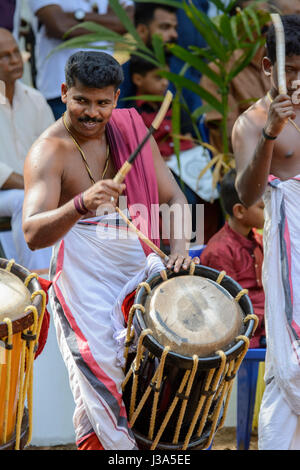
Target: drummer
94	260
266	147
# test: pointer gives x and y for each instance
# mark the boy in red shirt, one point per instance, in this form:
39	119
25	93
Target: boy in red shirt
237	249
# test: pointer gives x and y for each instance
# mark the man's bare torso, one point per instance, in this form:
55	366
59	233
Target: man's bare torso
286	156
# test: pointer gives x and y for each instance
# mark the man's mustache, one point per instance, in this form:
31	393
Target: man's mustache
89	119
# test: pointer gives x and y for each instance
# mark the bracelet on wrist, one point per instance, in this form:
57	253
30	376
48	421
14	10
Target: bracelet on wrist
267	136
79	204
82	203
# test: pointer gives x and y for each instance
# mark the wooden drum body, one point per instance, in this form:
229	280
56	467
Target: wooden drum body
22	305
193	331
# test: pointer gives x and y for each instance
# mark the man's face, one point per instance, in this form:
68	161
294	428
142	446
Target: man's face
89	109
11	64
292	75
164	24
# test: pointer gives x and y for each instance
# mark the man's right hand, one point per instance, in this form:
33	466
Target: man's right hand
281	109
103	193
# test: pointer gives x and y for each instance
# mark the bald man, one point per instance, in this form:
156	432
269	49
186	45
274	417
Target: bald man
24	115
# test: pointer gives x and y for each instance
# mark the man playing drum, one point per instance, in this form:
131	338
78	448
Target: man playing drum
68	177
266	147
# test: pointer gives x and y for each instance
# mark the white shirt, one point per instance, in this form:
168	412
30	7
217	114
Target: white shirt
51	70
20	125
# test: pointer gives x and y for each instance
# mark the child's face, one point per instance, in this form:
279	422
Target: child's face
151	83
254	215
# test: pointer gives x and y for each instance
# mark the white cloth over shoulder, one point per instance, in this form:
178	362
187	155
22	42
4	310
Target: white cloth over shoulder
96	263
281	277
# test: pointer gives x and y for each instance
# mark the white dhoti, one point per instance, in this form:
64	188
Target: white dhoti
279	420
90	268
11	204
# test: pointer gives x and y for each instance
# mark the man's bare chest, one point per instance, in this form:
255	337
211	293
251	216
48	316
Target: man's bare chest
286	155
82	168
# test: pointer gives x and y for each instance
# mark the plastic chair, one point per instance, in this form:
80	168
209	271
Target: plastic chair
196	250
246	392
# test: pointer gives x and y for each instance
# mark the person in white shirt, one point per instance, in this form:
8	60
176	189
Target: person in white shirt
24	115
53	19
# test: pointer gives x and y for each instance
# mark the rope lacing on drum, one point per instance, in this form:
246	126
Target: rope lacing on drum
8	374
130	332
9	265
215	391
220	277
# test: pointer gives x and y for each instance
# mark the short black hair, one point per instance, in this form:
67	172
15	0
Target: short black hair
94	69
291	25
141	65
144	12
228	193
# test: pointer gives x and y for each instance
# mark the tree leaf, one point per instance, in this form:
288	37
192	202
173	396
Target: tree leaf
159	49
195	62
243	61
246	24
225	28
184	82
249	11
172	3
206	28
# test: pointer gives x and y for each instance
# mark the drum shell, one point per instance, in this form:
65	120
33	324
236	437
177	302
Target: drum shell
19	325
176	365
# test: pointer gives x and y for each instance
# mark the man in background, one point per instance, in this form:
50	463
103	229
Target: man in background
24	115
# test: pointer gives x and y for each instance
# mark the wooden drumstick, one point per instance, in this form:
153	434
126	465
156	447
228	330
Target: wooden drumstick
143	237
280	52
120	176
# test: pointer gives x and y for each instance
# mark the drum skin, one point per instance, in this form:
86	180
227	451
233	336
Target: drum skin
192	315
15	297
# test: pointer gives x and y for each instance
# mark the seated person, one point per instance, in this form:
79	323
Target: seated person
193	158
237	249
24	115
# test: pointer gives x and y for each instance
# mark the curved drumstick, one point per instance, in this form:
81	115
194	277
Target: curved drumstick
120	176
280	52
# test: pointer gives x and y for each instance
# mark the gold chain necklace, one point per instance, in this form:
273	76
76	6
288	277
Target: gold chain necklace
290	119
83	155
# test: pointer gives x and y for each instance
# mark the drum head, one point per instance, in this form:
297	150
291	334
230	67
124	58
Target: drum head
14	295
192	315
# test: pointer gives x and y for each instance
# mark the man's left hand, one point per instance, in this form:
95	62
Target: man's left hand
178	261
